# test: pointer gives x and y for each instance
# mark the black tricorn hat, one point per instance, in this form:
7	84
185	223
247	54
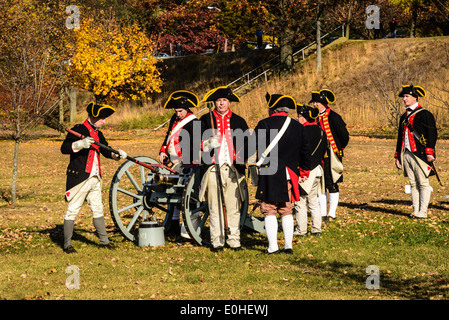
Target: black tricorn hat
181	99
221	92
99	110
324	96
279	100
415	91
307	112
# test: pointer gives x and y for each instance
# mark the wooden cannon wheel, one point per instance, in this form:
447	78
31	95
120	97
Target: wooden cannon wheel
195	213
131	200
127	196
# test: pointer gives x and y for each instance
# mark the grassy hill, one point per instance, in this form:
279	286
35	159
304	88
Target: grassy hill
365	76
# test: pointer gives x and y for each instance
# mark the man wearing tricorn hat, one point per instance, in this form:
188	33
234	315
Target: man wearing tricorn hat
219	133
310	189
84	172
183	119
415	148
338	137
289	160
173	149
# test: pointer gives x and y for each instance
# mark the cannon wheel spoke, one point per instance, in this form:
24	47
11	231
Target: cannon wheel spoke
195	213
126	196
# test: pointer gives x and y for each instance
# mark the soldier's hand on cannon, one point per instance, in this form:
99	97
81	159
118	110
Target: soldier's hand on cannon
82	144
122	155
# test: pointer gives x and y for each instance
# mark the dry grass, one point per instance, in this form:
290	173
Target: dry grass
353	71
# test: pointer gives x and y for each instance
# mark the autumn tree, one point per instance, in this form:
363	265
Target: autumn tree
351	13
239	19
188	22
291	21
191	24
32	69
114	62
416	9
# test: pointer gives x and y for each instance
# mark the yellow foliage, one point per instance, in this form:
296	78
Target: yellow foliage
114	63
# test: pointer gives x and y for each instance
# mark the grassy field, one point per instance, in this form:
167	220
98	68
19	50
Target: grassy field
372	228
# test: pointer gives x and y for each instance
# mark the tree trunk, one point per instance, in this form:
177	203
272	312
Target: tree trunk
286	50
413	26
348	23
61	111
14	173
318	44
72	91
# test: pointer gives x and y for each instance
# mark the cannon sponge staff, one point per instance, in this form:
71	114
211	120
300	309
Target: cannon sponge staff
84	175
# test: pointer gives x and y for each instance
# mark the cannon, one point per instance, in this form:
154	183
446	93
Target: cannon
144	189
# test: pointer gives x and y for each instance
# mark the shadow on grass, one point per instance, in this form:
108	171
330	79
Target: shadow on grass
369	207
56	235
391	202
416	288
404	202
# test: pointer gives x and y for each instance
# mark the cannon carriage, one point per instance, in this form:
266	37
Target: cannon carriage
152	191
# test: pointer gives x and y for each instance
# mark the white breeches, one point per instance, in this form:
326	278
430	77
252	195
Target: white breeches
91	192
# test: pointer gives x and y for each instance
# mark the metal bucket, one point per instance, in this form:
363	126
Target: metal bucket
151	234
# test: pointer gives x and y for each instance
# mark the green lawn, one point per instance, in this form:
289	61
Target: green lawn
372	229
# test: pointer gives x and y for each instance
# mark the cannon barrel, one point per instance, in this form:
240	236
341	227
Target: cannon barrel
166	178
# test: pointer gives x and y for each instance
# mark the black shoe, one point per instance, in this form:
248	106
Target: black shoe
106	246
237	248
274	252
216	249
316	234
70	249
412	216
288	251
174	229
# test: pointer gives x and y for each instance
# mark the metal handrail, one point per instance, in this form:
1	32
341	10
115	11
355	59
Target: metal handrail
294	54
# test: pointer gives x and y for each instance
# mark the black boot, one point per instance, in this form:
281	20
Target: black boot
174	229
